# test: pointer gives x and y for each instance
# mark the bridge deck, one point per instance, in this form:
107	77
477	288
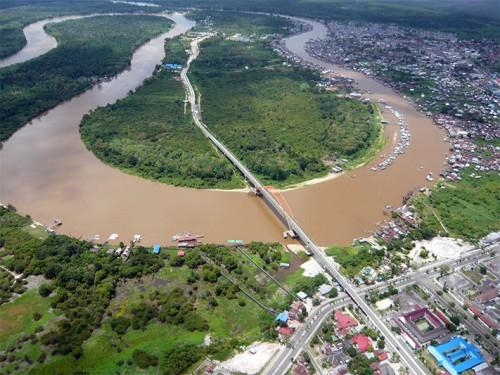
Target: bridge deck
413	364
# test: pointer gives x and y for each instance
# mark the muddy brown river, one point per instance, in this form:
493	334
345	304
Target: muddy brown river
46	171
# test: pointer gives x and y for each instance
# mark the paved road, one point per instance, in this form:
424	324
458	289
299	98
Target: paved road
407	357
474	326
283	360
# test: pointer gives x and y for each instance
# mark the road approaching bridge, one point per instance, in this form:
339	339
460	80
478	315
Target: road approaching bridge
406	355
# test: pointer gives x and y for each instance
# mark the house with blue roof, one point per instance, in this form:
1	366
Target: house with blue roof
156	249
171	66
282	317
457	355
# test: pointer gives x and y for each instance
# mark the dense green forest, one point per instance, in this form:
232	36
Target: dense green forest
89	48
479	20
271	115
228	22
94	312
274	117
151	133
16	14
83	281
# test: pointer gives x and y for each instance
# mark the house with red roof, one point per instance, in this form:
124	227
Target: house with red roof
482	316
301	369
345	322
362	342
488	295
285	331
382	356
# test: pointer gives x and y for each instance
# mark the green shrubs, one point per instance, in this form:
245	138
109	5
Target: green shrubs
120	324
144	360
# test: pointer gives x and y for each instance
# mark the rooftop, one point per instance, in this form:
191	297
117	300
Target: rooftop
344	321
457	355
282	317
423	325
362	342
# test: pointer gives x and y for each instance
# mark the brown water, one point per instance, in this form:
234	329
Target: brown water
46	171
37	41
350	205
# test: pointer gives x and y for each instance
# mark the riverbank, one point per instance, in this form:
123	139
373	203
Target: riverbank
38	85
50	174
121	315
150	133
274	118
375	150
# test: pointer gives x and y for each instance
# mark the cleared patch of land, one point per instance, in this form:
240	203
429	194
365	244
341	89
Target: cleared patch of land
468	208
353	258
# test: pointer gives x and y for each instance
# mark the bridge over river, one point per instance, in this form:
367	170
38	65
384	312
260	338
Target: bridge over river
407	356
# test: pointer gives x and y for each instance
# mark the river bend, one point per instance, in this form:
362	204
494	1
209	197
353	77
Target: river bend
46	171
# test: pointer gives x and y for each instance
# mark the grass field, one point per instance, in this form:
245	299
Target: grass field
102	356
231	322
151	304
353	258
17	324
474	275
468	209
16	317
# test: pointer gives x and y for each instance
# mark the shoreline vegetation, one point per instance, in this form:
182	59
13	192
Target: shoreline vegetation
31	88
457	16
15	16
151	134
380	143
93	311
278	122
274	116
469	22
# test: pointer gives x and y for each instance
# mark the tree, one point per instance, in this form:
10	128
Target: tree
144	360
44	290
303	310
120	324
451	327
455	320
37	316
333	293
444	270
381	343
212	302
180	357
